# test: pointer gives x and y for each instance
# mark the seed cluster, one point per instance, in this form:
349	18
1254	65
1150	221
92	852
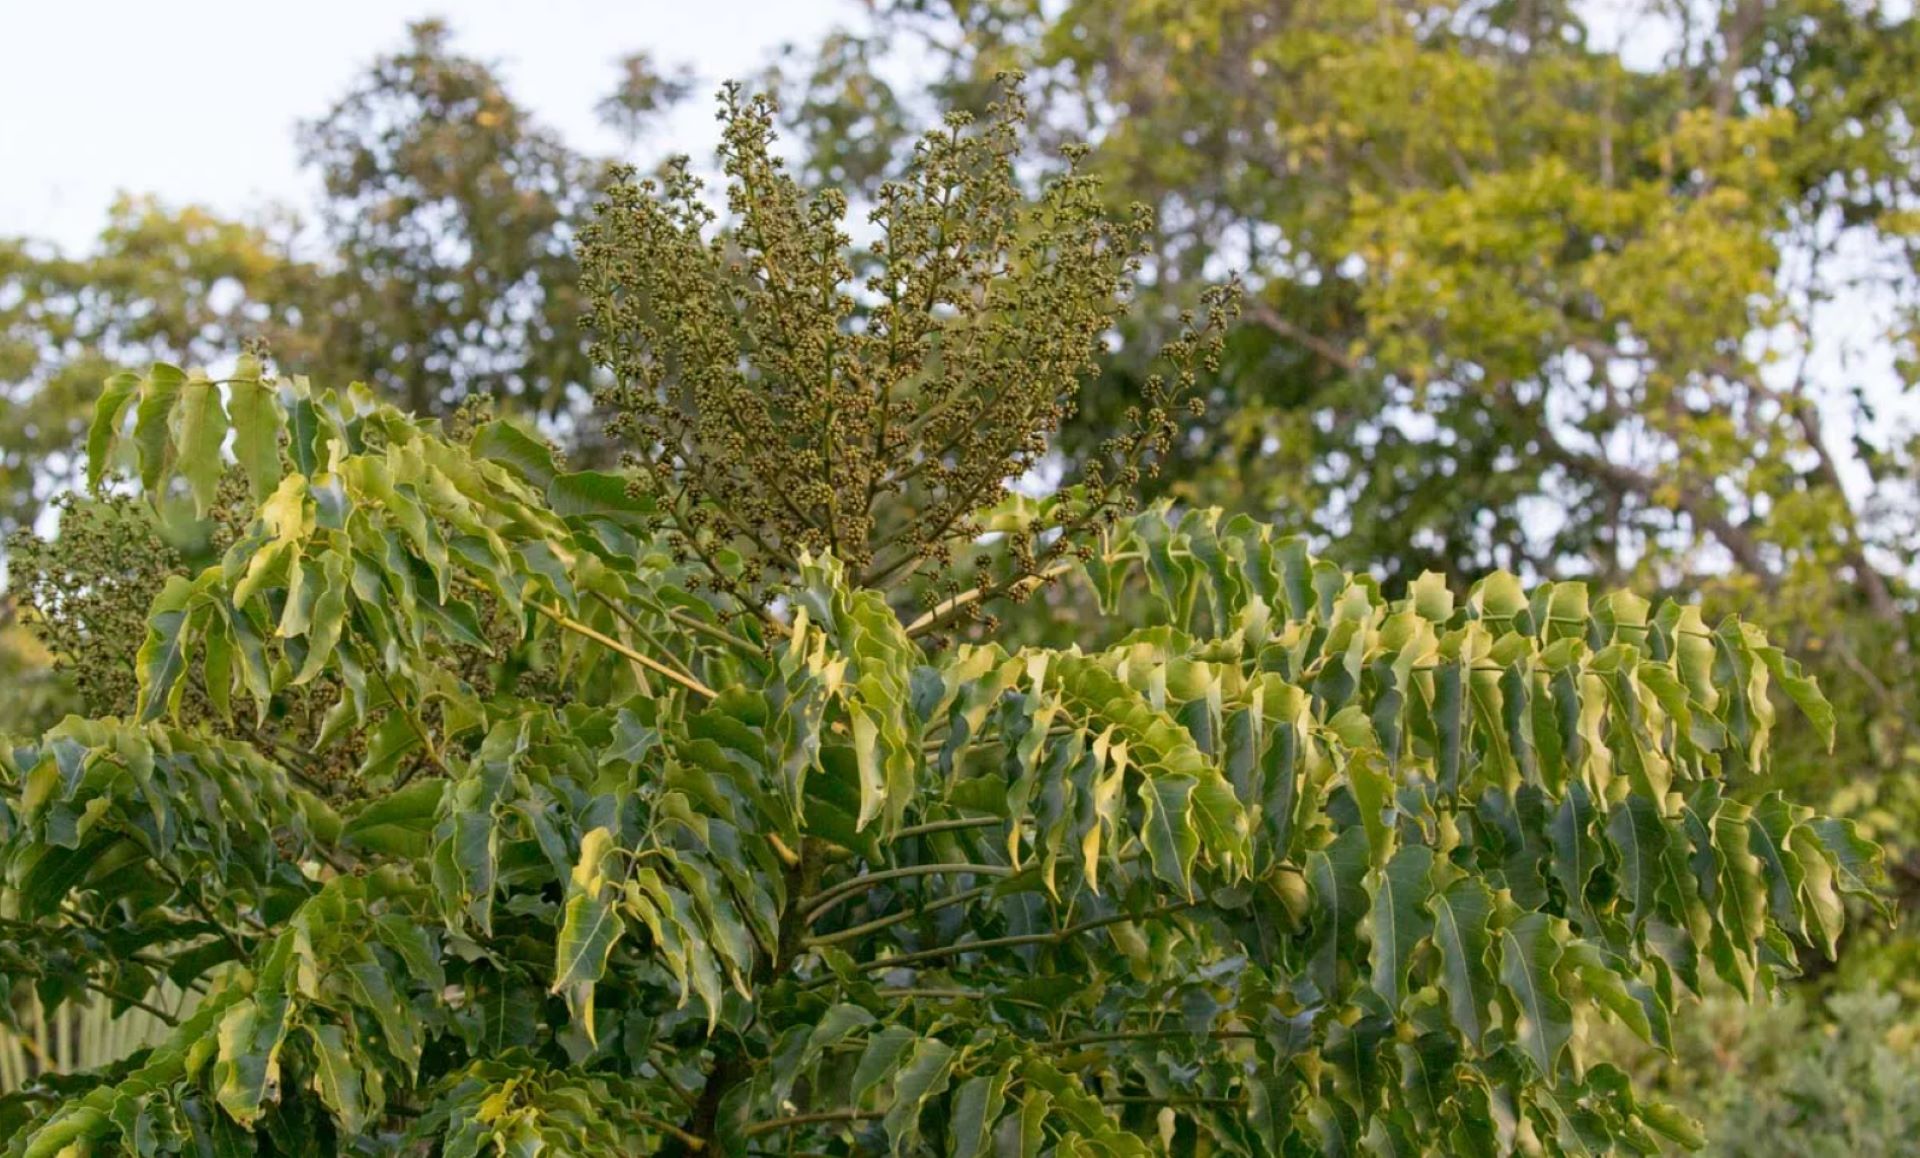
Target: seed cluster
775	402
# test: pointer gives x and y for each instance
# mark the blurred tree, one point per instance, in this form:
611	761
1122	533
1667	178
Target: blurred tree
162	283
646	90
450	215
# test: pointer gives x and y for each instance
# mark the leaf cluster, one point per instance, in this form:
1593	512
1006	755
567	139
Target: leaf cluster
1277	865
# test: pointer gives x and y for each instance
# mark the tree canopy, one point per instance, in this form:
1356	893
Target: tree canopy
629	825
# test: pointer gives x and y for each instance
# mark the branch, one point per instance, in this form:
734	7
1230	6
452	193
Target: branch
944	613
828	898
1265	315
611	644
1154	1035
949	826
691	1141
874	926
168	1019
1053	938
639	629
788	1123
1696	501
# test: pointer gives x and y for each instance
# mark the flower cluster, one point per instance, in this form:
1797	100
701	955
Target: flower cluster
782	393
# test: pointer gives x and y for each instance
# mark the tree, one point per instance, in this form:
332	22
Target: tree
659	845
1526	292
450	214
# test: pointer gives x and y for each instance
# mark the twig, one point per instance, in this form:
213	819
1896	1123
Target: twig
890	919
828	898
788	1123
690	1140
942	613
611	644
1058	935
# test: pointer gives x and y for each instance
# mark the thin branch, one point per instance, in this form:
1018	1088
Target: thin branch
788	1123
934	826
695	623
1058	935
944	613
892	919
690	1140
639	629
128	999
1153	1035
611	644
828	898
1152	1100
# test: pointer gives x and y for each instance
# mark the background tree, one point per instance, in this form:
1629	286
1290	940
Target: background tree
166	284
451	216
1269	863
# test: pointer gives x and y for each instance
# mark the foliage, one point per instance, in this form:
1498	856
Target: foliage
1625	295
451	214
1795	1080
1270	863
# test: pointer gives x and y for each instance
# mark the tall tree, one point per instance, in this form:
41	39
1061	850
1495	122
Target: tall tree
715	857
449	215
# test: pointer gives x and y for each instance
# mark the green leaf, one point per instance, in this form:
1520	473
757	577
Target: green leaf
1529	957
587	934
1398	921
883	1055
151	422
1170	840
1461	913
107	412
257	421
1640	839
920	1080
162	659
1335	875
337	1078
203	431
977	1106
507	444
400	823
248	1061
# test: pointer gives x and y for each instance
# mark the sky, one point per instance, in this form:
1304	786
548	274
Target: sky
197	100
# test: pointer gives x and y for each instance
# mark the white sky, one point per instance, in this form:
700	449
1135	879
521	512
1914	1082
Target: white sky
196	100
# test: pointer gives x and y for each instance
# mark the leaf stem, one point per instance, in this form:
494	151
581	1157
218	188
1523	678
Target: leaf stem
788	1123
611	644
828	898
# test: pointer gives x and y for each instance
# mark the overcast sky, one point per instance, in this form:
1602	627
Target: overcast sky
196	100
